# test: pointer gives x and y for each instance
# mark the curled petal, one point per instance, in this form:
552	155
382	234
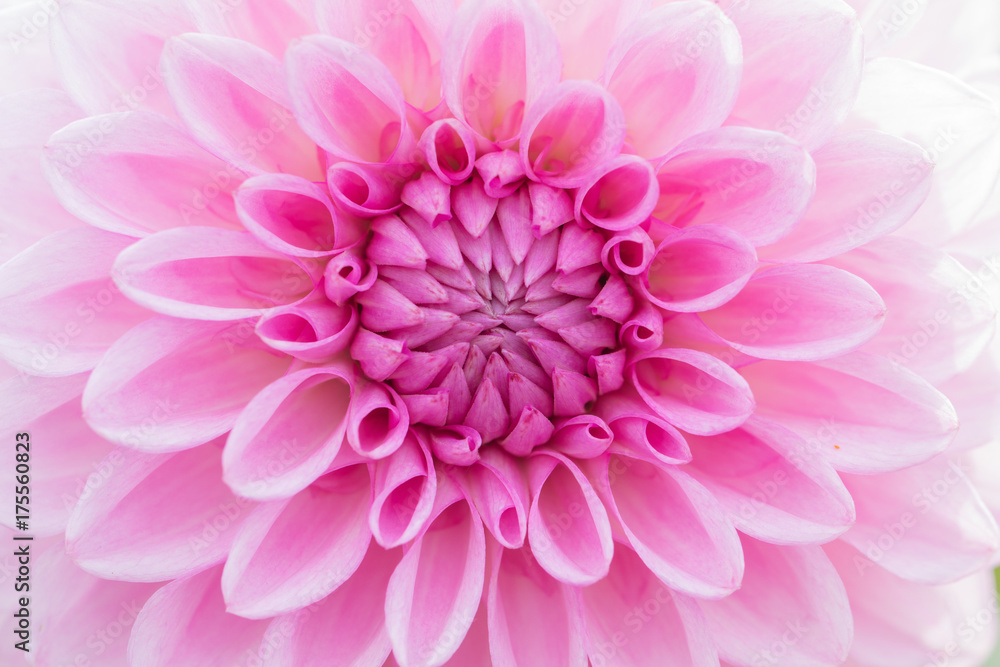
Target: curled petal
450	150
318	537
499	489
698	269
572	129
293	216
620	196
347	100
692	390
405	485
638	431
377	421
289	434
583	437
643	330
568	526
347	274
629	253
313	330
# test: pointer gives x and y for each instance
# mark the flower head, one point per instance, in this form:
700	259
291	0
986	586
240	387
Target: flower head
517	333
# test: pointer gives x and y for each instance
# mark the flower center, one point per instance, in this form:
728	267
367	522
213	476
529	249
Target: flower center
493	312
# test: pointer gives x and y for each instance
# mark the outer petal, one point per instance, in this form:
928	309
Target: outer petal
107	51
59	308
345	629
816	45
290	554
30	210
186	623
110	532
939	318
232	97
290	433
586	32
955	123
434	592
500	56
769	488
634	619
900	622
868	184
926	524
791	601
171	384
684	537
799	312
756	182
532	619
347	101
27	63
670	85
270	24
860	412
137	172
76	616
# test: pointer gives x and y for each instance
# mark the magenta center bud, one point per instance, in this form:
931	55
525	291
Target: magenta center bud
498	311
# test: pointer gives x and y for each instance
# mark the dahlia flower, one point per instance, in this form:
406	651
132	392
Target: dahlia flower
502	332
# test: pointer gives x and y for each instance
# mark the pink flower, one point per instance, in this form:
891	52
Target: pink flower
517	333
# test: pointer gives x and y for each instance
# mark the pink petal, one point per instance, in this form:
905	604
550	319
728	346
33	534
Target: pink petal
867	185
450	150
799	313
269	24
639	432
405	485
533	621
629	253
684	537
293	216
769	486
668	93
377	421
59	307
568	526
791	598
395	244
499	490
347	100
210	274
232	96
363	190
859	412
692	390
313	330
137	173
818	86
172	384
346	275
583	437
587	31
634	619
118	71
456	445
183	622
405	36
289	433
698	269
291	553
435	591
621	195
499	58
756	182
569	132
349	623
110	534
927	524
